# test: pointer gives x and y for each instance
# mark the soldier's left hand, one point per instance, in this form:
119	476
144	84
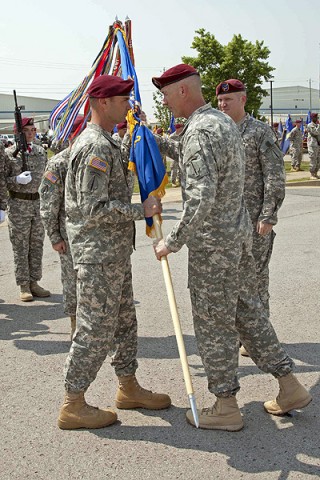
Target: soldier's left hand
160	249
264	228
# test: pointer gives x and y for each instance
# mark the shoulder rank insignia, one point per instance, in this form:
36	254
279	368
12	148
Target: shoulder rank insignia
51	177
99	164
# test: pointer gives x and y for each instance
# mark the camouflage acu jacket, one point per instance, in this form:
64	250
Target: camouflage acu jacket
100	216
264	174
3	184
36	163
212	166
52	188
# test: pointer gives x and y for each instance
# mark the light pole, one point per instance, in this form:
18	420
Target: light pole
310	102
271	104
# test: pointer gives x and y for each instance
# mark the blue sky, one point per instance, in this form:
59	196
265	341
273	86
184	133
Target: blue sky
47	48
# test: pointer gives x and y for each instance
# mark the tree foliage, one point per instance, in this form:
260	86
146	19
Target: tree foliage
240	59
161	112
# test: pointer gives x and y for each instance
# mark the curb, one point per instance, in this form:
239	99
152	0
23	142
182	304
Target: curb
305	183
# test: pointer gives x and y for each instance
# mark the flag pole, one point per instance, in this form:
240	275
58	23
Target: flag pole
176	323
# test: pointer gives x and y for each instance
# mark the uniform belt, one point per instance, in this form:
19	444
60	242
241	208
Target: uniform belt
24	196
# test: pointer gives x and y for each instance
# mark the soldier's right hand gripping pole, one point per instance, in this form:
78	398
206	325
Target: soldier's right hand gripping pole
21	141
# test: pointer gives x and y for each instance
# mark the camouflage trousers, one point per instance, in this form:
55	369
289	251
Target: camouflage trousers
262	249
296	156
226	308
106	324
26	234
314	155
69	282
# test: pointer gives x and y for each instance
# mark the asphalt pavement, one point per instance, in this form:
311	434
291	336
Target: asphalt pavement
34	343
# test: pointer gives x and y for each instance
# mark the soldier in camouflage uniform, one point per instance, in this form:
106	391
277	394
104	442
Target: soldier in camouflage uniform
100	227
313	142
175	169
264	186
25	227
3	185
122	136
52	210
296	139
216	228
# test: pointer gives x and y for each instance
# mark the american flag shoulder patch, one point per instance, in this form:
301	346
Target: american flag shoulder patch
51	177
99	164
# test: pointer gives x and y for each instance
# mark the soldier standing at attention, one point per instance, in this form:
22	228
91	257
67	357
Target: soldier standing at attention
175	169
296	139
216	228
264	185
53	215
121	131
100	227
3	185
313	142
25	227
122	136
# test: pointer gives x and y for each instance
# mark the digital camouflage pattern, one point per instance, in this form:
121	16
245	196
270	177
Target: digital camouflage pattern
106	324
216	227
296	138
52	210
264	192
26	230
313	142
98	204
3	185
100	227
125	144
175	169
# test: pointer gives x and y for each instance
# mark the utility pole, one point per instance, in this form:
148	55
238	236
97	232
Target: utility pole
271	104
310	102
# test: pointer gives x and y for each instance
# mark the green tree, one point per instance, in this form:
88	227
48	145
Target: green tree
161	112
240	59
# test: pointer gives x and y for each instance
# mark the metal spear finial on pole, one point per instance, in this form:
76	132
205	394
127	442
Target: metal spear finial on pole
176	324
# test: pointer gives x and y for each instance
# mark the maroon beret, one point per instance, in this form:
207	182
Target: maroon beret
179	125
76	123
159	131
230	86
121	125
298	121
276	124
174	74
25	121
107	86
314	115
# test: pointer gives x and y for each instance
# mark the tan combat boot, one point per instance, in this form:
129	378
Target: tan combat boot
73	321
292	395
224	415
76	413
131	395
25	293
38	291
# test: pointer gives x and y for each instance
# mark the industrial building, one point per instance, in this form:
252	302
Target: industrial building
38	108
296	101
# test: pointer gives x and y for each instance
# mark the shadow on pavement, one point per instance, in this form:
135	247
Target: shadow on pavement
266	444
25	320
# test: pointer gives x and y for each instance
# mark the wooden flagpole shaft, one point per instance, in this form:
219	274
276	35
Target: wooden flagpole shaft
174	310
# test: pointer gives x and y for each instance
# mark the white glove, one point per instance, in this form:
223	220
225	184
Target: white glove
2	216
24	178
